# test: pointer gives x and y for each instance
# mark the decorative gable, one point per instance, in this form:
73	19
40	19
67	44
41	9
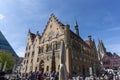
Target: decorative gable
53	29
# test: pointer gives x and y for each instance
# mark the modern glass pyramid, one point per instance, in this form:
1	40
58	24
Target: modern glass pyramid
5	46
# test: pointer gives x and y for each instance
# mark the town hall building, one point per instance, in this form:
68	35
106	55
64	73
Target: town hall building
43	51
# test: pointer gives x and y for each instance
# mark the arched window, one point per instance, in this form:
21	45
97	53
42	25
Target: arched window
47	68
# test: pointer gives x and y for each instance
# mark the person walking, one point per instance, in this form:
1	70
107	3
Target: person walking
40	74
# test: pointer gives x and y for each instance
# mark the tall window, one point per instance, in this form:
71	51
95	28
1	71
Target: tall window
28	54
37	59
25	55
47	68
27	61
32	53
40	50
49	47
58	45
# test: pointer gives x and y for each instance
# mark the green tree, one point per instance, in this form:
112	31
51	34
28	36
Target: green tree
6	56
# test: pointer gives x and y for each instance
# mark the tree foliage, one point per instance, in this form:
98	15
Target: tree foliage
6	56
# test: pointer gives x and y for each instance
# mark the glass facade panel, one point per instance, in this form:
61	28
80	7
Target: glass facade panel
5	46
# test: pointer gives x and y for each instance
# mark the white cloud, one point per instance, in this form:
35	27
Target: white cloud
114	29
113	48
2	17
20	51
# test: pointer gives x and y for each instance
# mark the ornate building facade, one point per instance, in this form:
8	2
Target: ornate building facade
108	60
43	51
111	61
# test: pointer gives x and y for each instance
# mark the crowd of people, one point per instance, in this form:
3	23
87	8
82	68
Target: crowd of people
55	76
41	76
102	76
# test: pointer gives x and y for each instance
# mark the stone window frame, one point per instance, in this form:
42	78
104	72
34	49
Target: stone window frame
27	61
28	54
41	49
31	60
47	68
49	47
49	38
33	53
58	45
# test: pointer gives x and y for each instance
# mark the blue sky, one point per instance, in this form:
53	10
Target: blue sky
99	18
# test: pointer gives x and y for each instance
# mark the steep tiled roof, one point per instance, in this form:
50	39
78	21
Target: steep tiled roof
109	54
87	42
79	38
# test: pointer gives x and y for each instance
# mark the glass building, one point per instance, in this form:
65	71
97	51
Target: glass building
5	46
